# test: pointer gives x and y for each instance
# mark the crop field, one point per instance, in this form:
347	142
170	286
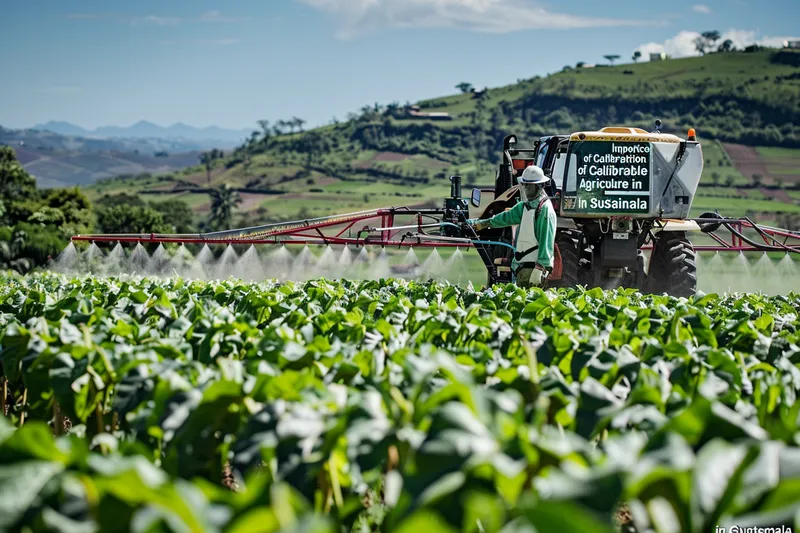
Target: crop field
781	163
737	207
139	404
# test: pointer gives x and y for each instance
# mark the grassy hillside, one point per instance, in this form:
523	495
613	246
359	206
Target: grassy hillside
745	106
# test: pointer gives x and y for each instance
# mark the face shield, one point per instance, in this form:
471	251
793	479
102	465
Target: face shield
528	191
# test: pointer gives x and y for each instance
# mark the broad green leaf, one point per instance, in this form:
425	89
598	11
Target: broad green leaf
20	484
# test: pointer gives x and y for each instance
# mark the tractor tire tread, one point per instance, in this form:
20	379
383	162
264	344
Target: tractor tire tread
674	266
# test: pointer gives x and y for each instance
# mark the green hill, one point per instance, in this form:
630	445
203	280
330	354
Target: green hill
745	107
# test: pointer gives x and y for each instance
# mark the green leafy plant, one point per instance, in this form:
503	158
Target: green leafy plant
393	406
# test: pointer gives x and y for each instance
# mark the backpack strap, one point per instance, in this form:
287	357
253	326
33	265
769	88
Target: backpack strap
541	204
519	255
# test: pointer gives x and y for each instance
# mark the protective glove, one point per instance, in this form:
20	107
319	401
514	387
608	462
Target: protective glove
478	224
537	276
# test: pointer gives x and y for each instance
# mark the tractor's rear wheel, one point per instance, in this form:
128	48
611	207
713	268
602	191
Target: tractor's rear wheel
568	248
673	266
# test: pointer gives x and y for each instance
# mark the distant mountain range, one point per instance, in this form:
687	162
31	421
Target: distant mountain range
58	160
211	136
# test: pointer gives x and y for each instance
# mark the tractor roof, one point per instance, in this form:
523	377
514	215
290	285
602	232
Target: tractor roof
624	135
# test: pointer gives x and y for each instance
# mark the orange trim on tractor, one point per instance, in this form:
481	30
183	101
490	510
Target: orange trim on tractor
521	164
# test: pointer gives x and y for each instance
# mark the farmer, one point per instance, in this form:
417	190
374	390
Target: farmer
535	238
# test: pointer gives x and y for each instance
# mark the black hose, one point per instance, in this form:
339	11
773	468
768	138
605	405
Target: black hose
410	211
761	247
710	227
768	236
678	159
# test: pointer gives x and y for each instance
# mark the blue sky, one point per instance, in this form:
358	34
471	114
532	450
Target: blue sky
231	63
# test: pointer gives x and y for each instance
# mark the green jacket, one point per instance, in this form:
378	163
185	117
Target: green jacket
544	227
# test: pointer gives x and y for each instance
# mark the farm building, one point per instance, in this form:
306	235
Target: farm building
429	116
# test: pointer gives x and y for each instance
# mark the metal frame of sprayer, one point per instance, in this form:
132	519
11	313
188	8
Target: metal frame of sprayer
339	230
344	229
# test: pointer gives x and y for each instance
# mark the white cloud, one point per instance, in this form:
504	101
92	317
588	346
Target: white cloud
701	8
682	45
491	16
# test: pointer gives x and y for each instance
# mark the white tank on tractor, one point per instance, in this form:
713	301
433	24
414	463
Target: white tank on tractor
629	172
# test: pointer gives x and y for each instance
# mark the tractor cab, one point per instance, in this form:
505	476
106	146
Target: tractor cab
551	157
548	153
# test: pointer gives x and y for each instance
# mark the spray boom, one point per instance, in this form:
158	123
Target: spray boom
449	221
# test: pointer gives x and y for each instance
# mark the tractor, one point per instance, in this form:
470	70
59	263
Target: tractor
617	192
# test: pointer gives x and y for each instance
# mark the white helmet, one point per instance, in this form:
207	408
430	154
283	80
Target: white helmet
530	182
533	175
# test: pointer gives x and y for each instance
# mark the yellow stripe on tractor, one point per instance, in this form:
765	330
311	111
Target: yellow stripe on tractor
624	135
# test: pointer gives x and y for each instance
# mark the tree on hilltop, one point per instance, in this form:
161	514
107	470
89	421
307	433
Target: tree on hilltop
297	123
711	36
611	58
266	129
700	45
465	87
705	41
280	127
253	139
392	109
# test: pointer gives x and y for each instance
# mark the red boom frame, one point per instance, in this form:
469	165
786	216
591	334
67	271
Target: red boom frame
309	232
338	230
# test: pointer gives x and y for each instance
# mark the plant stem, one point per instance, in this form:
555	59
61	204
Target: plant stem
325	490
58	419
337	489
5	395
24	403
99	413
